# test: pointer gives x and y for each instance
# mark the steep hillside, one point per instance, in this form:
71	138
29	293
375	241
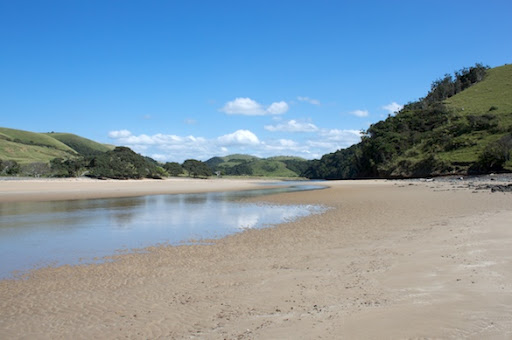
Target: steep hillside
463	125
487	107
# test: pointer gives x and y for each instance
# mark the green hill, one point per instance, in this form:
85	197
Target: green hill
30	147
26	153
27	147
81	145
246	165
463	125
487	108
33	138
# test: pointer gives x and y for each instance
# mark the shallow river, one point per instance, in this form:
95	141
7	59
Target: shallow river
38	234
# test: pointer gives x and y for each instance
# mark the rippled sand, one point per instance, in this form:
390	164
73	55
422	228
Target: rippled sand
389	260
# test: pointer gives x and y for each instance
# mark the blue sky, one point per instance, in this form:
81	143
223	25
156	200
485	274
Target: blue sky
195	79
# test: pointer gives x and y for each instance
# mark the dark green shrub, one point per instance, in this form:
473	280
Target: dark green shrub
495	155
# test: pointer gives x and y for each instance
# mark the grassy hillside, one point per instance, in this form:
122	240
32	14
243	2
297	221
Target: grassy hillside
81	145
31	147
33	138
246	165
488	107
27	147
25	153
463	125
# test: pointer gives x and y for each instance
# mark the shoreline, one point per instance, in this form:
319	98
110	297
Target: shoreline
85	188
391	259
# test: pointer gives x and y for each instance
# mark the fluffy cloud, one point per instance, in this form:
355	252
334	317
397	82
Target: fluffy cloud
308	100
360	113
249	107
167	147
393	108
239	137
277	108
119	134
292	126
181	147
345	138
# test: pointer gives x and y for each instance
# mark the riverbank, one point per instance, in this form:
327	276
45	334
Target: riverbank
391	259
13	190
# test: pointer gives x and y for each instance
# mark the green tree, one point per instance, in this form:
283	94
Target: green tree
122	163
68	167
242	169
197	168
173	168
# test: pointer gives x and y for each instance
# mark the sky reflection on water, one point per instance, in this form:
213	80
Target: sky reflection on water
36	234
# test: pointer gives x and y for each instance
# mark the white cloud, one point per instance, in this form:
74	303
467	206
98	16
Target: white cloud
278	108
239	137
287	143
359	113
249	107
119	134
243	106
393	108
292	126
345	137
167	147
309	100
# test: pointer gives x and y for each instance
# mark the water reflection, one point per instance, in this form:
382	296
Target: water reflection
34	234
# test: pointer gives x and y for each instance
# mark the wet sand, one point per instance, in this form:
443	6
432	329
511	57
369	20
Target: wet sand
391	259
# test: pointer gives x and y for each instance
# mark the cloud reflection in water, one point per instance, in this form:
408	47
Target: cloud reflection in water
34	234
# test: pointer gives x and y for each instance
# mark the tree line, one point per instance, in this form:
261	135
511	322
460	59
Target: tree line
120	163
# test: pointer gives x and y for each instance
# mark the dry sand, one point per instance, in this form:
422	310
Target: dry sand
84	188
390	260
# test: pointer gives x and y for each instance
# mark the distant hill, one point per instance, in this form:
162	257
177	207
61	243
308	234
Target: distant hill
463	125
246	165
30	147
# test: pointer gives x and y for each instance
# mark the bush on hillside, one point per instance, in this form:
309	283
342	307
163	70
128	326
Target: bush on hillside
9	167
36	169
495	155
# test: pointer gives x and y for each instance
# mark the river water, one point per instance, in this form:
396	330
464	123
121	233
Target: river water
38	234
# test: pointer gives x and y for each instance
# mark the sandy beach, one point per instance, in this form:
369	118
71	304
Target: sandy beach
85	188
389	260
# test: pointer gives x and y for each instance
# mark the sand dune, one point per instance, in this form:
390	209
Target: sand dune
389	260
